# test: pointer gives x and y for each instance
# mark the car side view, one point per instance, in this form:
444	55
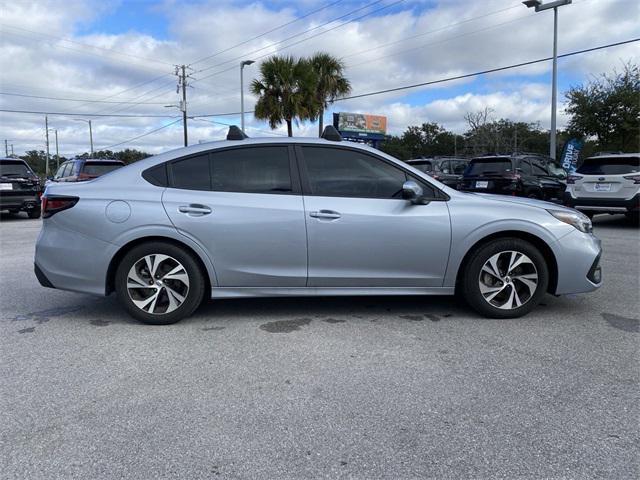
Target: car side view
20	187
447	170
521	175
608	183
303	217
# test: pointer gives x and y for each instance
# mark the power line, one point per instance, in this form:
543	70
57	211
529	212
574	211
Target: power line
266	33
304	32
483	72
86	100
143	135
74	114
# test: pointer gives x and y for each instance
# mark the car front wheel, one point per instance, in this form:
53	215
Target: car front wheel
159	283
505	278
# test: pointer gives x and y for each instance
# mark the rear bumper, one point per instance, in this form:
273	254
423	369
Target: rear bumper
604	205
29	201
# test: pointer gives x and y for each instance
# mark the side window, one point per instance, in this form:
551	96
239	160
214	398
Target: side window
458	167
156	175
525	167
192	173
251	170
538	167
445	167
336	172
67	169
60	171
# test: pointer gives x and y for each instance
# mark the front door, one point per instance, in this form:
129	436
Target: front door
244	206
361	233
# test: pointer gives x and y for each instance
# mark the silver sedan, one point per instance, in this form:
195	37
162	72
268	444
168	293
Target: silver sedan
303	217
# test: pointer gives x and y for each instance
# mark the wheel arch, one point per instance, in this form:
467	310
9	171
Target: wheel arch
538	242
115	260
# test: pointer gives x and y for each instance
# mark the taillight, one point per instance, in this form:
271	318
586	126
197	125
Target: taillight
571	179
635	178
52	205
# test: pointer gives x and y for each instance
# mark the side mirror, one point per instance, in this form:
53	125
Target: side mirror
412	191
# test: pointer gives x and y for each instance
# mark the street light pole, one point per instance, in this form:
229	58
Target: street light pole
57	152
243	64
539	6
90	133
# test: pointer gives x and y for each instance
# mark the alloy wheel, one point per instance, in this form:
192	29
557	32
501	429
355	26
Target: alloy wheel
157	284
508	280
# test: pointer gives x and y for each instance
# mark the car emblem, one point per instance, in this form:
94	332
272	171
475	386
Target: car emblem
601	179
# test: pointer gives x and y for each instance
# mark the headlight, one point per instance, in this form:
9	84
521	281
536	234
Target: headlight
575	219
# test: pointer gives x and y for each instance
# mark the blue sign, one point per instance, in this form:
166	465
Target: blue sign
570	154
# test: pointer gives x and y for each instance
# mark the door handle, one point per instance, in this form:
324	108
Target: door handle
194	209
325	214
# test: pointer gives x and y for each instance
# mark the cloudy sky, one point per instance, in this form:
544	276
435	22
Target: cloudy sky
95	58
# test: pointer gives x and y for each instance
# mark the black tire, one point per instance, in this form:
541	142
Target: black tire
194	294
470	282
34	213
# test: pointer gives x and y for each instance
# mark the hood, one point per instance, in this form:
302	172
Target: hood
531	202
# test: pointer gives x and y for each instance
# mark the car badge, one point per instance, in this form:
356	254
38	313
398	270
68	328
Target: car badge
601	179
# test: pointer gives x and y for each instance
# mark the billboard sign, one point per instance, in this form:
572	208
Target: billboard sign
362	123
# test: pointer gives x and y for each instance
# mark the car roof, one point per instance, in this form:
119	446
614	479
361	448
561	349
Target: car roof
252	141
615	155
12	159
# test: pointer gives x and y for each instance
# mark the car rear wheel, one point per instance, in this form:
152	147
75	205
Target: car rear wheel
159	283
34	213
506	278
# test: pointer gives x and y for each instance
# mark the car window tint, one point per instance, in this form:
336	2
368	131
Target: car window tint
488	166
100	168
67	170
191	173
251	170
538	167
60	171
458	167
525	167
335	172
445	167
156	175
609	165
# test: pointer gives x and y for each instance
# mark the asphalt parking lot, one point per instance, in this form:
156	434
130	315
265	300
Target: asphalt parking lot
320	388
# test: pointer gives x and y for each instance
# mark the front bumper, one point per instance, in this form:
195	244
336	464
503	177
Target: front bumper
603	205
578	256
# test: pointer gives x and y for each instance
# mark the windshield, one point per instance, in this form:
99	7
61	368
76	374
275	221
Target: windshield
488	166
556	170
423	166
15	168
98	169
609	165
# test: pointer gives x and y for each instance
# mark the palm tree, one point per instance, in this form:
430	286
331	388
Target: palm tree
330	82
285	92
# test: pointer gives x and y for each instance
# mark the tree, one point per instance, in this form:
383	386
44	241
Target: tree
607	108
330	82
285	92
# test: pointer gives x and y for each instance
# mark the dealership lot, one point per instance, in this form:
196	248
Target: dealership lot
299	388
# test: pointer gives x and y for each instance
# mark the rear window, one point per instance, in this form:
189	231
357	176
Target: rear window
487	166
100	168
423	166
14	168
609	165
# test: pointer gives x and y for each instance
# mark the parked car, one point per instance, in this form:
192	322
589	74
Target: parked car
520	175
78	170
608	183
20	187
303	217
447	170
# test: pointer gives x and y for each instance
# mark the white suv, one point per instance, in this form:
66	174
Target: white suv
606	183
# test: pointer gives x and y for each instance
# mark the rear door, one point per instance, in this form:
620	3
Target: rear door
361	233
245	207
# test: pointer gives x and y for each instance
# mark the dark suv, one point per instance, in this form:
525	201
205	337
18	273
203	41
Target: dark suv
522	175
20	187
77	170
447	170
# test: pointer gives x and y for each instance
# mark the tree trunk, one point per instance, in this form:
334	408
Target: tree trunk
320	122
289	128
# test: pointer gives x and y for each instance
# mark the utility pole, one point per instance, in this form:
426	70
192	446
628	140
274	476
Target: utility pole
57	152
182	82
6	147
12	149
46	130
